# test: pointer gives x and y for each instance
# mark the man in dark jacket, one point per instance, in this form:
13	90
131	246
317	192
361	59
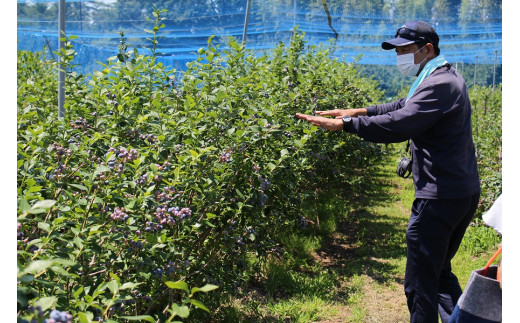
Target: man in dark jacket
436	116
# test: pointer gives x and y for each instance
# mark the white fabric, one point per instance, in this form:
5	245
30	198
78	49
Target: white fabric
493	217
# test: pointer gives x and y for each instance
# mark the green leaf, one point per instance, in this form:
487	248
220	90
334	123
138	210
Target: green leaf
78	242
78	292
206	288
182	311
271	166
210	216
101	169
44	226
156	103
46	302
199	305
45	204
83	318
60	270
40	265
81	187
113	286
178	285
194	154
129	285
36	267
23	206
34	189
147	318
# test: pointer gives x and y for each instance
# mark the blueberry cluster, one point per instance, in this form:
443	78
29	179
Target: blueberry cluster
57	316
148	137
153	227
60	151
59	173
131	133
225	156
169	194
178	92
80	123
165	166
136	245
302	222
119	214
127	156
124	155
165	216
37	310
167	270
171	267
142	179
264	184
112	97
19	233
263	199
137	294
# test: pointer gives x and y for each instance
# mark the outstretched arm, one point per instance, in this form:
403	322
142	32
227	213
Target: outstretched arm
339	113
326	123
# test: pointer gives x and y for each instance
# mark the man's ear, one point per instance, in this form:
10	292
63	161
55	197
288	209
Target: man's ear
431	50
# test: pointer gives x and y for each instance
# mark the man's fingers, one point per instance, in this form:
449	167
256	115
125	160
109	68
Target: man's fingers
327	113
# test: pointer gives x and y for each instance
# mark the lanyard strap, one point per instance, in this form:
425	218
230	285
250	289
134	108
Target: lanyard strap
484	273
427	70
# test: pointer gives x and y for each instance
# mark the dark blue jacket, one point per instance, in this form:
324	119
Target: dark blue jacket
437	117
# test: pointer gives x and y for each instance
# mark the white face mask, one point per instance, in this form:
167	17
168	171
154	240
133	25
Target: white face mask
406	64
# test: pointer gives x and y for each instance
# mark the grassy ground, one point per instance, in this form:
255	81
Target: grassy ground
351	267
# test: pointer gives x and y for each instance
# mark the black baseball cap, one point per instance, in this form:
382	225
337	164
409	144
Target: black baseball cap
413	32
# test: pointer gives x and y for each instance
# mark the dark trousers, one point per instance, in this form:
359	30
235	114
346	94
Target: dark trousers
433	237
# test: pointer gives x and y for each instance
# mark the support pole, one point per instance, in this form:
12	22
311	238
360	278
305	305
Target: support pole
61	72
80	18
246	22
494	70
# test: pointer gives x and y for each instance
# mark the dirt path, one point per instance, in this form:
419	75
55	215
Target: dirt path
368	250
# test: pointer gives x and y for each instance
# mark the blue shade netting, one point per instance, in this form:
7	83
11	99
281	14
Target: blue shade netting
468	33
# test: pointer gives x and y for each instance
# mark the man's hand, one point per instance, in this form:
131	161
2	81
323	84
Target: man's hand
326	123
340	113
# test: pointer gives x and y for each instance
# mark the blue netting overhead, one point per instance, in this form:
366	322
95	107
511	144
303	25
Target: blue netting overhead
470	30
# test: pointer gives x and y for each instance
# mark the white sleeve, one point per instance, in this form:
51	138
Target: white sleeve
493	217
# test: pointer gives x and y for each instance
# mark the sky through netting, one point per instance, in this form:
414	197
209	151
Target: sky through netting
470	30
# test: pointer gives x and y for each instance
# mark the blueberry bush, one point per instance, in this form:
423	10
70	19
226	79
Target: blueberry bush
486	102
155	183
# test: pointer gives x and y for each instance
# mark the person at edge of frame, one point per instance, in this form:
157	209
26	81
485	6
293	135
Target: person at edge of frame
436	117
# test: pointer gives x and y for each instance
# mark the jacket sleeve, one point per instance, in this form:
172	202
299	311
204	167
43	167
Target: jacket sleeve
385	108
419	113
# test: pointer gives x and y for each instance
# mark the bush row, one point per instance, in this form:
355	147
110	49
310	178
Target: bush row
155	189
487	135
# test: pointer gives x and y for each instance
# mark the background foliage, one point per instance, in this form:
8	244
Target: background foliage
150	179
